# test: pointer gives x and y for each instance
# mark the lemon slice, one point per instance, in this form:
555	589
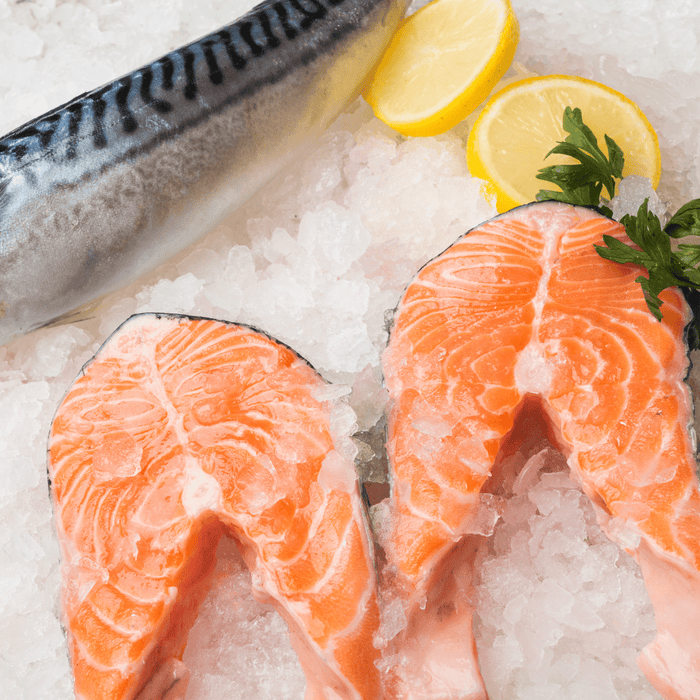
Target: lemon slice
442	63
523	122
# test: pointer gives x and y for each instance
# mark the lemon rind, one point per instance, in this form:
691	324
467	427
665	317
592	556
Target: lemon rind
467	99
508	197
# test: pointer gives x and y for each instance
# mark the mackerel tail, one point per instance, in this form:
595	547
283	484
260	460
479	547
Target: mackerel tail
106	187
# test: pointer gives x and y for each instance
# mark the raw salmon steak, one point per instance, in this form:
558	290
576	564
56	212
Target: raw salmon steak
177	432
522	314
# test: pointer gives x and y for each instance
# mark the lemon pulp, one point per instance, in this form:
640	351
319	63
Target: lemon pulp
442	63
523	122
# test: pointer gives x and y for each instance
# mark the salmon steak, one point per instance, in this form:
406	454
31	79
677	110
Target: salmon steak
178	432
521	315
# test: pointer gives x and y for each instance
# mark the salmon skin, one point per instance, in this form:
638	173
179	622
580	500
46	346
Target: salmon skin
523	316
181	430
106	187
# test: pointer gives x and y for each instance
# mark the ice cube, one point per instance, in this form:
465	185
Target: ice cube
632	191
335	236
170	296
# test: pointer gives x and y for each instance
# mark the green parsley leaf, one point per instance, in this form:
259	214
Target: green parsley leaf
689	254
665	268
651	288
583	183
686	221
617	251
616	159
605	211
645	230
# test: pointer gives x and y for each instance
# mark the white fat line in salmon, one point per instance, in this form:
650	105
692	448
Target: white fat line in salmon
106	187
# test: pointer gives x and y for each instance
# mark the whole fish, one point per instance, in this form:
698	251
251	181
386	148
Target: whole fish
100	190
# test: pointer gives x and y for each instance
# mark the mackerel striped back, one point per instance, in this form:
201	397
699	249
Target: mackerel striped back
180	89
108	186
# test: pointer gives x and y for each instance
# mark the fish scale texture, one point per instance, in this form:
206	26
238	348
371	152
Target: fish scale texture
179	431
135	171
523	306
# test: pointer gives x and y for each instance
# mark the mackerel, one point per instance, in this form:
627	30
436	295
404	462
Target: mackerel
109	185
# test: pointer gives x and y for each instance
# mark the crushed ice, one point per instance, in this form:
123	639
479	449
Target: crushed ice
631	193
562	612
550	577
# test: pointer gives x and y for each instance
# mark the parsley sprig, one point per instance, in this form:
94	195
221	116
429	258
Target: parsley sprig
582	183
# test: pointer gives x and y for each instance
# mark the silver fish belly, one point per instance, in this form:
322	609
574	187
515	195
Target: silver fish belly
102	189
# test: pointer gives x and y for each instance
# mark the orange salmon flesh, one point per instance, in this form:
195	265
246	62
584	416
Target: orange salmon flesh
523	314
183	430
180	431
